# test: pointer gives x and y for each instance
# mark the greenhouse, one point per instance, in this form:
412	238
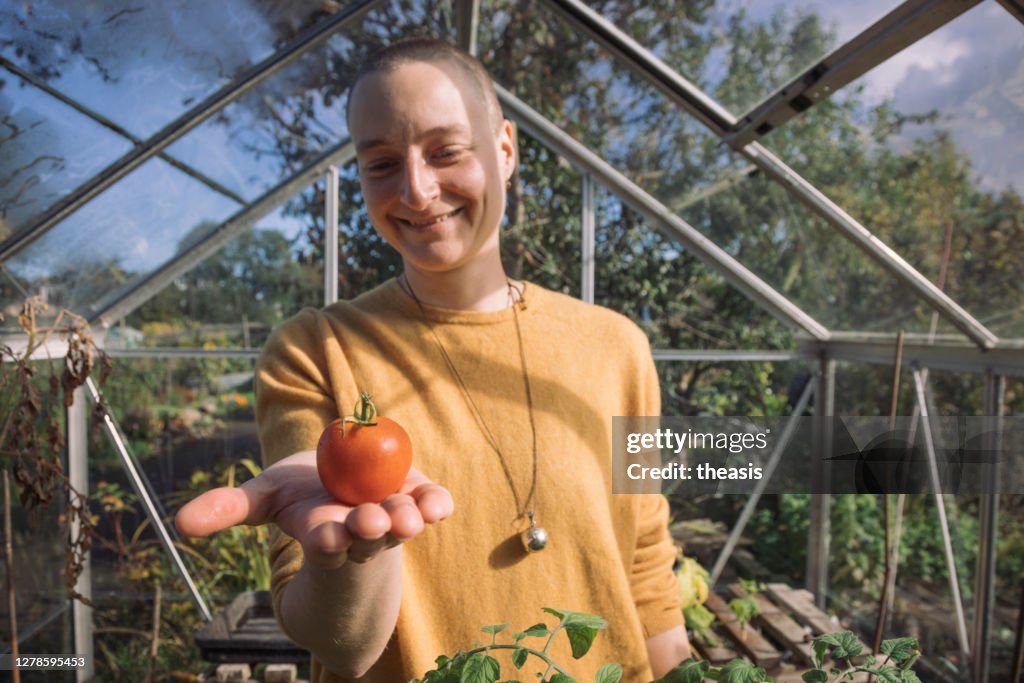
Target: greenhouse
814	211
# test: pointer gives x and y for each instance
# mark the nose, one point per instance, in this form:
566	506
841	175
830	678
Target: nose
419	186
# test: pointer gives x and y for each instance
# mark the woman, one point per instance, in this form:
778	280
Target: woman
507	391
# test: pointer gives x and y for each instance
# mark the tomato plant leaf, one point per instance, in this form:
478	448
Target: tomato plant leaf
889	674
742	671
480	668
609	673
537	631
820	648
495	628
580	638
899	649
570	618
562	678
844	644
519	657
690	671
815	676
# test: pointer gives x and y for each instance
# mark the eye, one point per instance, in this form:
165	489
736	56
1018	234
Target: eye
378	167
448	154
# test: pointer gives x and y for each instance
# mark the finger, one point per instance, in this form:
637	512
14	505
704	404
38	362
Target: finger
364	550
368	521
213	511
406	520
434	502
327	545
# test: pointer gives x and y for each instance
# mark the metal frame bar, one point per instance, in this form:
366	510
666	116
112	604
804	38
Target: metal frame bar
467	23
1005	359
242	84
629	192
331	236
588	245
716	356
720	121
1014	7
940	506
819	524
755	496
112	311
149	502
110	125
988	533
77	426
174	352
900	28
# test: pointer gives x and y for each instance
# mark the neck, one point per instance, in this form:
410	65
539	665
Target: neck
461	289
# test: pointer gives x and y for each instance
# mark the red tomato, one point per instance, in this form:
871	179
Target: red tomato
363	459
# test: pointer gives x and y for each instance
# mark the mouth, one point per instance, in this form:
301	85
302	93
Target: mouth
420	224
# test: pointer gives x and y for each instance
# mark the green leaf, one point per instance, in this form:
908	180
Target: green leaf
580	638
562	678
519	656
537	631
690	671
844	644
480	668
569	618
495	628
910	677
742	671
815	676
820	648
609	673
889	674
899	648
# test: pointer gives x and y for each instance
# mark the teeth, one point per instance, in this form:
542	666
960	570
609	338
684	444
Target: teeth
436	220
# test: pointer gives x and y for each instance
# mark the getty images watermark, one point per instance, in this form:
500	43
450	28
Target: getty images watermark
707	455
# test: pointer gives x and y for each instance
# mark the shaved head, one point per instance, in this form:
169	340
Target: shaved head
432	51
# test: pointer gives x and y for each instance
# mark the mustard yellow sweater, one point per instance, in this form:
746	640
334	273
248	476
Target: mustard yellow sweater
608	554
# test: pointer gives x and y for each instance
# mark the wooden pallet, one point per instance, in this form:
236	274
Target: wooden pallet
779	638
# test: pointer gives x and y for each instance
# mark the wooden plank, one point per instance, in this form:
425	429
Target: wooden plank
779	625
716	654
748	639
800	603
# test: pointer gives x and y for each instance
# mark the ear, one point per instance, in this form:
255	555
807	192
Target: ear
509	147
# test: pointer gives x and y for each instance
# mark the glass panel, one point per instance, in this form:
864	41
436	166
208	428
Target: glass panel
737	51
112	242
234	297
275	129
46	150
674	297
929	142
678	162
142	65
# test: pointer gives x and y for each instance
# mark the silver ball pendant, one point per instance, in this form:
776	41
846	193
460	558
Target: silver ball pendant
535	538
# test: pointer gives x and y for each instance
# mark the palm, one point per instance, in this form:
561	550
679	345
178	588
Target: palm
290	495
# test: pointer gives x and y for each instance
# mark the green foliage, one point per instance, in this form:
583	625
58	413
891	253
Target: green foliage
699	620
900	656
477	666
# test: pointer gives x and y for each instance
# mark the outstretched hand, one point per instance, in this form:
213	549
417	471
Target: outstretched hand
289	494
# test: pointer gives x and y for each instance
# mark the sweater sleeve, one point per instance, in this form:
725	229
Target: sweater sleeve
294	403
655	590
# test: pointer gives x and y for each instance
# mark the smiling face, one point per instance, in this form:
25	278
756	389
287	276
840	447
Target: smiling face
432	167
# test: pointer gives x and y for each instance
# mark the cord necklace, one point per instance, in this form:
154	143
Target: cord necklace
535	538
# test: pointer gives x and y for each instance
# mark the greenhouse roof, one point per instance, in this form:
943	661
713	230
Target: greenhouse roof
138	140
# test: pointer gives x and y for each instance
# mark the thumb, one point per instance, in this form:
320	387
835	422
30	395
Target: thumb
219	509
